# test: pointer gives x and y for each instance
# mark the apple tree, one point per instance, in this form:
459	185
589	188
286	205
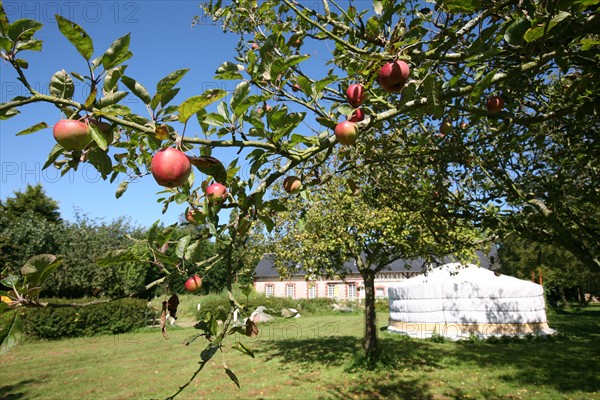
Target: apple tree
516	82
498	117
343	221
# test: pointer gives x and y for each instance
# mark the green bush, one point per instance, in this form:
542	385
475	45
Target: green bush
115	317
382	305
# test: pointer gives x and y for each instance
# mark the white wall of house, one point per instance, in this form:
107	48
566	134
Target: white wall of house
351	288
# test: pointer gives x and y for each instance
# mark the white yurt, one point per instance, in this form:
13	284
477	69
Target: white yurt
457	301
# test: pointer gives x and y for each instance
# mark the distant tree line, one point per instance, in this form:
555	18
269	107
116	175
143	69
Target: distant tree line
30	224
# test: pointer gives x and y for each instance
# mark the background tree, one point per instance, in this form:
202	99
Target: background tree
564	277
85	241
340	222
30	224
34	200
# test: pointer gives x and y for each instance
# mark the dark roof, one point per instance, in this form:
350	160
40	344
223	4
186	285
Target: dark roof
266	267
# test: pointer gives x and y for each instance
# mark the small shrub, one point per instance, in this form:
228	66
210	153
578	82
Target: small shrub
382	305
115	317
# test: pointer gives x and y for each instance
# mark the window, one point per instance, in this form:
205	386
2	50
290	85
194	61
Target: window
331	290
380	292
312	292
269	290
290	291
352	291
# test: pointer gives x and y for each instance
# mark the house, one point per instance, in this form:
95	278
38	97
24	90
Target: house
351	287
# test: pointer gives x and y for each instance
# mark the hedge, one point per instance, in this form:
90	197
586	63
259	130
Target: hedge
114	317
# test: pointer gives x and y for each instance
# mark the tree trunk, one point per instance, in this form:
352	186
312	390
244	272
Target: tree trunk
370	346
563	296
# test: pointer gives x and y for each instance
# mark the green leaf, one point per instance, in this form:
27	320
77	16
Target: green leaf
232	376
190	253
269	224
23	29
460	6
77	36
377	7
61	85
121	189
534	33
10	330
110	99
537	32
117	53
137	89
164	235
293	60
515	32
33	44
10	280
194	104
8	113
228	71
22	63
242	349
98	137
483	84
191	339
434	99
242	90
32	129
181	198
112	78
211	167
37	268
246	103
164	98
56	151
208	352
4	24
5	44
100	159
372	27
182	245
168	82
91	98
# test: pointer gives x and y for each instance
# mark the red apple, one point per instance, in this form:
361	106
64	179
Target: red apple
193	284
255	46
494	104
216	193
72	134
445	128
356	94
346	132
393	76
292	184
171	167
357	116
190	216
296	87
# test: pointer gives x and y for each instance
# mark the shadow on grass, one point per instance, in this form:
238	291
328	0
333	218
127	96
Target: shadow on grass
396	388
395	353
13	392
568	362
583	323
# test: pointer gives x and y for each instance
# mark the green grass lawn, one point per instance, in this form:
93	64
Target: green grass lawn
308	358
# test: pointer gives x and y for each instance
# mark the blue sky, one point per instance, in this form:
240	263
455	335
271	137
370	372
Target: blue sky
162	41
